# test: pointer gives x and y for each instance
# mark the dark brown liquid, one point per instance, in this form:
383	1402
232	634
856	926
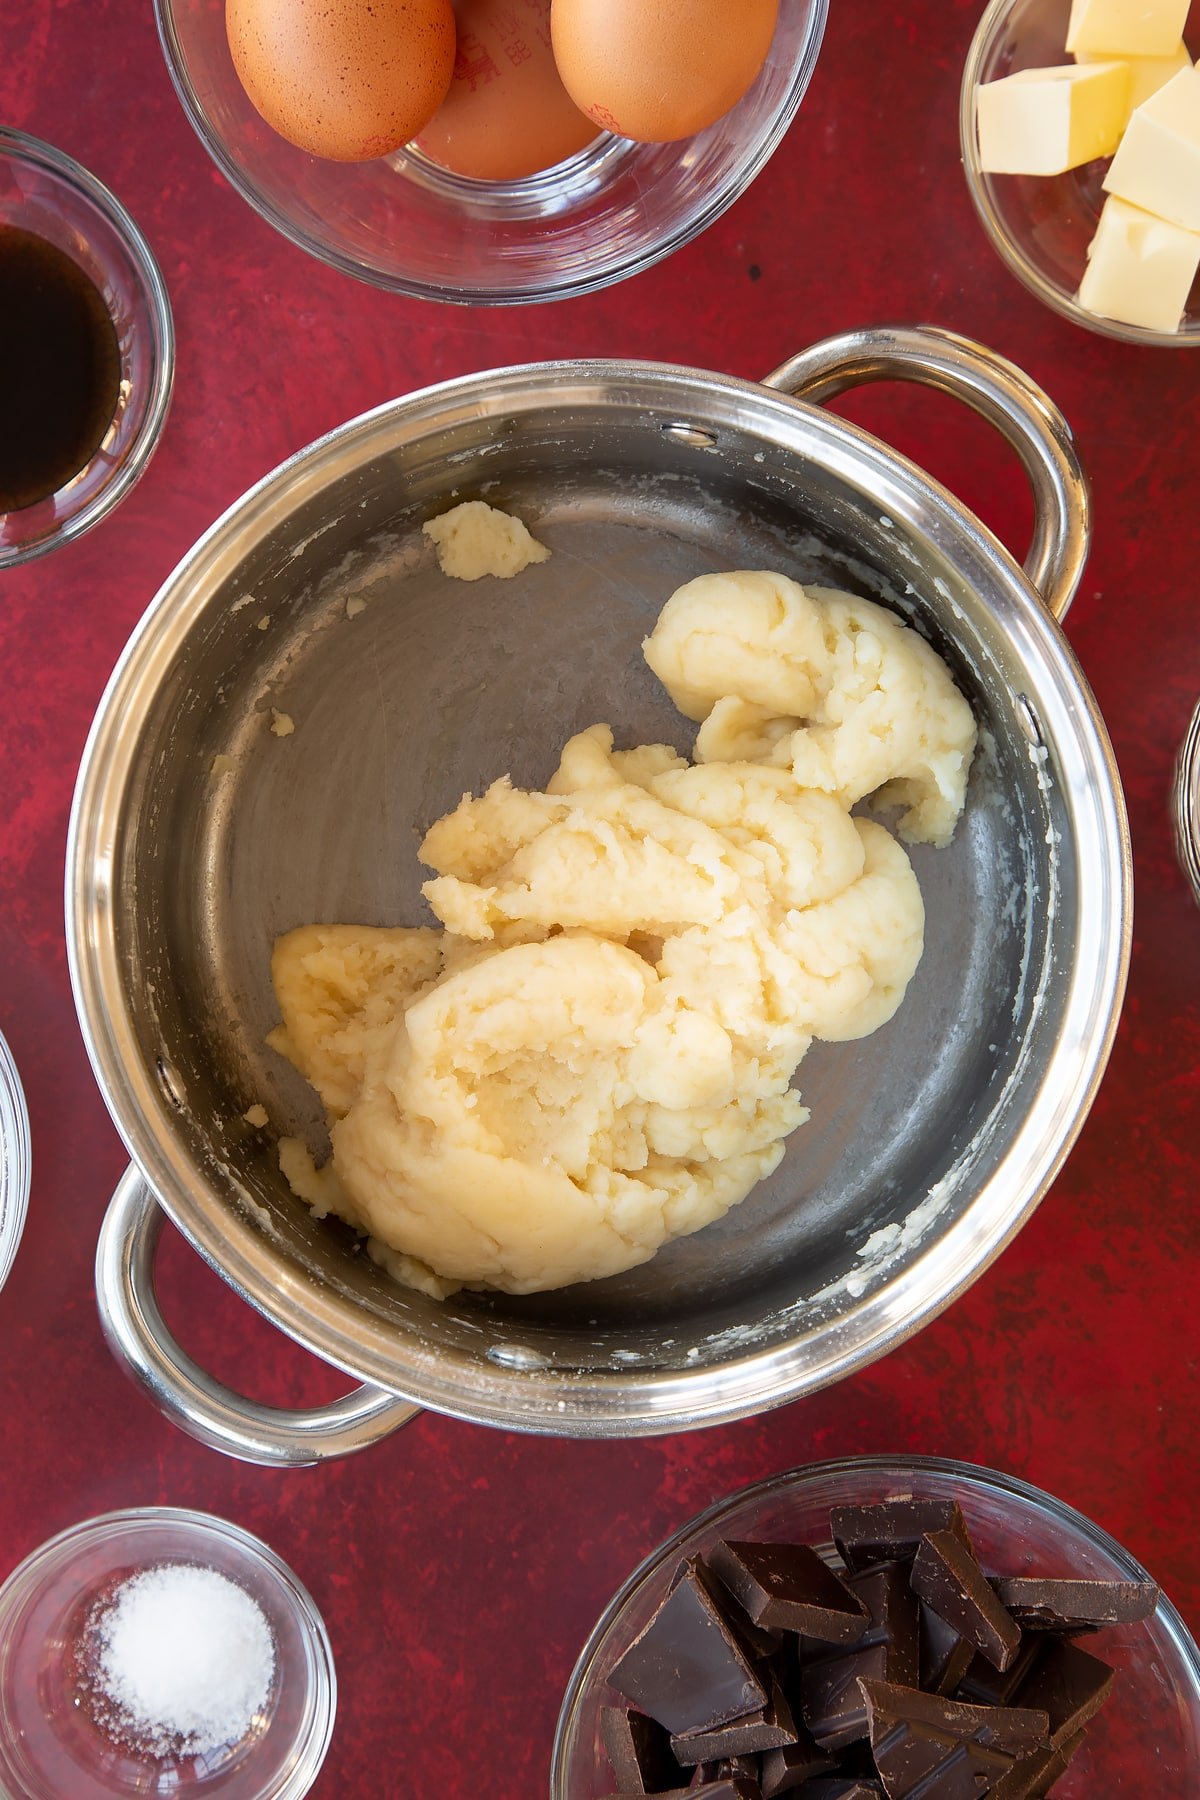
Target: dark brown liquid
60	368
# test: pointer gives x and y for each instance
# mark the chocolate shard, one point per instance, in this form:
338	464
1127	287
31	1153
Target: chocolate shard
790	1587
941	1749
767	1729
687	1669
831	1699
1068	1685
986	1685
783	1771
853	1789
635	1794
1034	1776
945	1657
756	1639
891	1530
948	1578
639	1750
729	1787
1043	1604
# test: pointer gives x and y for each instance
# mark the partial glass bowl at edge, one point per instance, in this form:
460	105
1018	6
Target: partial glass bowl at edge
1147	1739
402	223
49	1749
14	1160
1041	225
47	193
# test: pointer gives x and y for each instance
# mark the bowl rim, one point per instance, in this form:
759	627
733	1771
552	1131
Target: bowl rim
1010	253
315	1734
16	1170
601	1401
483	293
976	1476
22	147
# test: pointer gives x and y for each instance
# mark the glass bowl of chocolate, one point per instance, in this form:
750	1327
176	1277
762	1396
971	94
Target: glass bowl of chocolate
882	1630
160	1651
87	353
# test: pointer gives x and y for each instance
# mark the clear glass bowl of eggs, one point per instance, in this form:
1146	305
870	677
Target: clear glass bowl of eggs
491	151
1051	89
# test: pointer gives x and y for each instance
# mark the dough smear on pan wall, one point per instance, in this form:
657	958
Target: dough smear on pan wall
594	1055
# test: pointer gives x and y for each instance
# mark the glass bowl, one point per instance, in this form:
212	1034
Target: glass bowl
1185	809
45	192
1147	1736
49	1746
405	224
14	1160
1041	225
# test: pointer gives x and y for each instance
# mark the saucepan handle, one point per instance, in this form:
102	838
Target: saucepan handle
138	1337
992	387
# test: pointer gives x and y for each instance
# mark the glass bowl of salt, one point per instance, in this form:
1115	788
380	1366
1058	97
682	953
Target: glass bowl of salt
160	1651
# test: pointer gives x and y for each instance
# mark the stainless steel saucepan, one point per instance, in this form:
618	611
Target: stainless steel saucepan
930	1143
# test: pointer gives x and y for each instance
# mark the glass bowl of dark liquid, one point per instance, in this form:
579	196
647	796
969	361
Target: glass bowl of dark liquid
87	349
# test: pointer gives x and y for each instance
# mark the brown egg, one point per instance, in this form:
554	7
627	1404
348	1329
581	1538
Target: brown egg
507	113
660	71
344	79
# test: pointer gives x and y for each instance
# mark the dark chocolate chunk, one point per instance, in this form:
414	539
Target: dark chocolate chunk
986	1685
1068	1685
945	1656
755	1639
1034	1776
639	1750
687	1670
942	1749
790	1587
729	1787
1042	1604
784	1770
891	1530
830	1697
636	1794
834	1709
854	1789
767	1729
948	1578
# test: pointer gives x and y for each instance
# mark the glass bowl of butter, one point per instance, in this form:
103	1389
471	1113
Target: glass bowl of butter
1080	127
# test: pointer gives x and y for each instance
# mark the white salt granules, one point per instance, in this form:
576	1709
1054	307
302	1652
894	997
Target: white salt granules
184	1660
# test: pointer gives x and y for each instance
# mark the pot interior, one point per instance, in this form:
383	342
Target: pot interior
434	688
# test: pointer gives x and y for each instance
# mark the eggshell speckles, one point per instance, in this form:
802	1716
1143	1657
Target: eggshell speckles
507	113
657	70
344	79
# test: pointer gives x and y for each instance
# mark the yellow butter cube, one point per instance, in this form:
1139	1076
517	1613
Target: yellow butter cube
1157	165
1042	121
1146	73
1126	27
1140	269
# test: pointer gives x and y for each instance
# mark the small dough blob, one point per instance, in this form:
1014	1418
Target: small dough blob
474	539
832	686
595	1053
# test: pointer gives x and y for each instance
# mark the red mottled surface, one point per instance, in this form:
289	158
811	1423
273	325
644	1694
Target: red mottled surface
459	1569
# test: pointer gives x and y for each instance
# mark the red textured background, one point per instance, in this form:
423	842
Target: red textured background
459	1569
